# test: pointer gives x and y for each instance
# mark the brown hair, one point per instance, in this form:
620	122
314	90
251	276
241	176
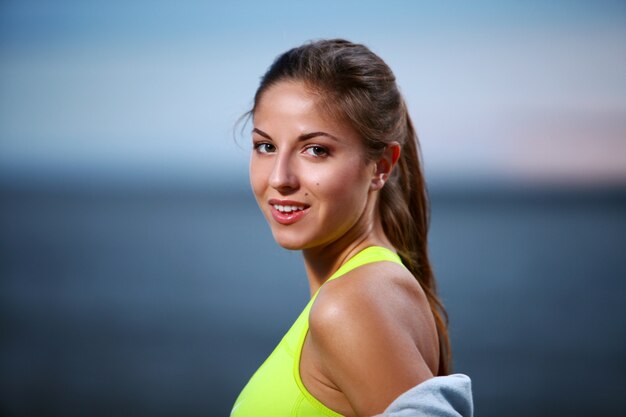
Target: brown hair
356	85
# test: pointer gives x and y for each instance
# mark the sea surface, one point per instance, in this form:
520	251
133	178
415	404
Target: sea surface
164	301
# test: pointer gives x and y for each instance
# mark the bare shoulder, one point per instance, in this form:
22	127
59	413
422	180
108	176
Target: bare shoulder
377	294
373	330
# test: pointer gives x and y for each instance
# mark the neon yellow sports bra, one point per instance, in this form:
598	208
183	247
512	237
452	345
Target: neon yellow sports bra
275	389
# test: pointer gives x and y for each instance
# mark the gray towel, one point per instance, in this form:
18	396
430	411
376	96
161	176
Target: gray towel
442	396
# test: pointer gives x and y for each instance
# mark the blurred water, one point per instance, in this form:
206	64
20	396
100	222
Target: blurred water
163	302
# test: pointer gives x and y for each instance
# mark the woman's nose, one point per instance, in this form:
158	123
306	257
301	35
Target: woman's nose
283	177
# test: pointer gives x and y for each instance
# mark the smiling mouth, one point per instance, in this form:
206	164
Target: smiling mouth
288	208
288	212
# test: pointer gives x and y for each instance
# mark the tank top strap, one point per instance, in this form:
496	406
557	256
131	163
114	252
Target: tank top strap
366	256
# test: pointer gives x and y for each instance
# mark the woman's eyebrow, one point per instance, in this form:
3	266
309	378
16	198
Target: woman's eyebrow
314	134
262	133
302	137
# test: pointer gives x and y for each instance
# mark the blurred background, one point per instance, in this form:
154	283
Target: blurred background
137	276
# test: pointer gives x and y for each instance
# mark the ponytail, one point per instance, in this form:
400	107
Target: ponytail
404	211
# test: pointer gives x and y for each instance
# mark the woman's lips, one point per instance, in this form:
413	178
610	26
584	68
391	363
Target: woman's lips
287	211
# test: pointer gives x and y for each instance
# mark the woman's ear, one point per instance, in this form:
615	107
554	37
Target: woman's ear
385	164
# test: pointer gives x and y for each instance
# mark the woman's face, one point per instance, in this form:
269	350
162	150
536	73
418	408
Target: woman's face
309	173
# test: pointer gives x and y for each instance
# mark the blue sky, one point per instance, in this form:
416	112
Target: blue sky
527	91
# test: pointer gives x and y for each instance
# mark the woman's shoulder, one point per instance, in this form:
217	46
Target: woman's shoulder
366	327
380	291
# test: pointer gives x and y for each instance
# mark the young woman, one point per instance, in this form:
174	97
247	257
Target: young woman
335	170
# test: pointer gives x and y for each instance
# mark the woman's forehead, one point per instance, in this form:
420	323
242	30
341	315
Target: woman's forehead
293	102
288	96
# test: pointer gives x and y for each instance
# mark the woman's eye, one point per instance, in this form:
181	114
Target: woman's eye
264	147
317	151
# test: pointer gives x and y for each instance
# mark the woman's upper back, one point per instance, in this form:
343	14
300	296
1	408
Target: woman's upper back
371	337
369	359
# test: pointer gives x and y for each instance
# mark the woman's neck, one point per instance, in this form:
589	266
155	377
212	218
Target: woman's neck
323	261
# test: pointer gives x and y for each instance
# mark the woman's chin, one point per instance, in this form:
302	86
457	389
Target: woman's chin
290	242
290	245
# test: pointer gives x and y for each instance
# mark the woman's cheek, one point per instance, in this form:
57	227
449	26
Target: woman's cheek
335	172
258	178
